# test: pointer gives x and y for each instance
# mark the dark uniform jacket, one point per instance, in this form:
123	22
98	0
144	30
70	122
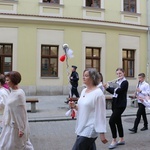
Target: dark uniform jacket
121	100
75	78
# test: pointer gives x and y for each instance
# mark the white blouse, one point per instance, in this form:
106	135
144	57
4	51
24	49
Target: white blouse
15	120
3	97
4	93
91	115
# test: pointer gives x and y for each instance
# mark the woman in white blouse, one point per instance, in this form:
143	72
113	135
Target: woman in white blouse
3	98
91	113
15	132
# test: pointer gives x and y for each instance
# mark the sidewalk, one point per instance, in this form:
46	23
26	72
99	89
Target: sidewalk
52	108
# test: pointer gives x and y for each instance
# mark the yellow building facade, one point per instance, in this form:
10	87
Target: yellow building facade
104	34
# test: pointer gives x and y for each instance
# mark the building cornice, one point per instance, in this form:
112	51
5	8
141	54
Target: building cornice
26	18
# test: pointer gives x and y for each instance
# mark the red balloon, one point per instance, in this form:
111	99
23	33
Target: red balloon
62	58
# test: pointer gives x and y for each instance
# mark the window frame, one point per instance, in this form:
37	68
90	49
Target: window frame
92	4
49	57
3	56
92	58
50	1
129	4
128	62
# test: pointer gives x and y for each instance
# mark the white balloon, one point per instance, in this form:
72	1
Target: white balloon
65	47
68	51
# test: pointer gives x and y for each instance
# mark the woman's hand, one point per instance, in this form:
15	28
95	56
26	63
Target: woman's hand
103	139
20	134
72	104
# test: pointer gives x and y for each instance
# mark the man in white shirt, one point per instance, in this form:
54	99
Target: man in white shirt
142	90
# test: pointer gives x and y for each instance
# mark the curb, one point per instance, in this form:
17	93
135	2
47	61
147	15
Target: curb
68	119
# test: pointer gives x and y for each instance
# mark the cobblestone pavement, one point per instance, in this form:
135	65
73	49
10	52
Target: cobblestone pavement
59	135
52	130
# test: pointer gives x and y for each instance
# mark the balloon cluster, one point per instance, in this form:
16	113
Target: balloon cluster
68	53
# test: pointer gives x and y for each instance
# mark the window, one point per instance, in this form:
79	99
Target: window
93	3
130	5
49	61
128	62
5	58
51	1
93	58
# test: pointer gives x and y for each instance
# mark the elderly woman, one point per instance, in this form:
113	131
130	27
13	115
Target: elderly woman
91	113
15	133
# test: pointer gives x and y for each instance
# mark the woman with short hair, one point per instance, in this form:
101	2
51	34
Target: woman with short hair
15	132
91	113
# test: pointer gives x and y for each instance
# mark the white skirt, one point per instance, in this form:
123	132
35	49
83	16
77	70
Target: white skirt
9	140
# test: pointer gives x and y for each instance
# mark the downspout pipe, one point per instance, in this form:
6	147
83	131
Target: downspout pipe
148	41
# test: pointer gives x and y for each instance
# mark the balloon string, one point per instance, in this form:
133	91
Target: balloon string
68	75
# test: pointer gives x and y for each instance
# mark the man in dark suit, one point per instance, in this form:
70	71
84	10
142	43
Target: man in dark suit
74	77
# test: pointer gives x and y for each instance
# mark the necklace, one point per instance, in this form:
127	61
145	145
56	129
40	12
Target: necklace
88	90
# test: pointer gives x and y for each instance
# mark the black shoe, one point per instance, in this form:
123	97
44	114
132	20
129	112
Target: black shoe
133	130
144	128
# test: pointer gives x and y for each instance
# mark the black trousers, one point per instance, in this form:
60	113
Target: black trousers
140	112
74	91
115	122
84	143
